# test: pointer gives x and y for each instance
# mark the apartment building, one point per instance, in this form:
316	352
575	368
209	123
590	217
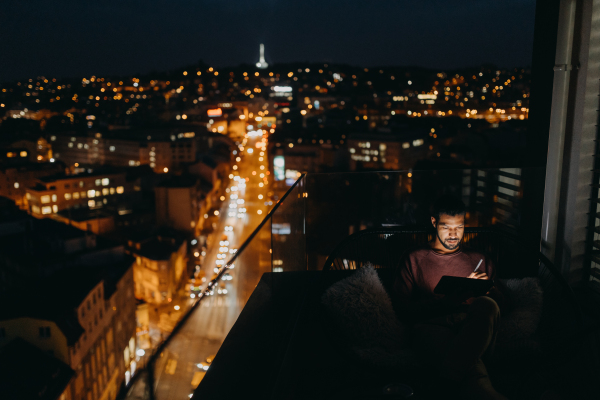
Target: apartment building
181	203
15	179
160	265
73	300
162	152
95	189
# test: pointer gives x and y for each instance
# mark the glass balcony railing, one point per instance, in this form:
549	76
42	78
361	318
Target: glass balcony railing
302	229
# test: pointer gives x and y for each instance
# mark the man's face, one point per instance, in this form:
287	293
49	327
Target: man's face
450	230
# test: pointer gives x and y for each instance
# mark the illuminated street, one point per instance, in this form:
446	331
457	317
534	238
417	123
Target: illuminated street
177	372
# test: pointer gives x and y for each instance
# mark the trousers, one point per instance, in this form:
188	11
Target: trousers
459	343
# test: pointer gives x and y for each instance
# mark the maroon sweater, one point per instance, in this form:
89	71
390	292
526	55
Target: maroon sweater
422	270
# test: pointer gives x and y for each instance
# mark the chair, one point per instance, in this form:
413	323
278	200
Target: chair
561	320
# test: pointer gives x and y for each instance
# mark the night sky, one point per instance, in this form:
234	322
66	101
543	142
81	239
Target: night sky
75	38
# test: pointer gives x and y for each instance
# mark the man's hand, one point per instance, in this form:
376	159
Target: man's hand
478	275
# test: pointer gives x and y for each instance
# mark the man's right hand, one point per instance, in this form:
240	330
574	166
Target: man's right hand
478	275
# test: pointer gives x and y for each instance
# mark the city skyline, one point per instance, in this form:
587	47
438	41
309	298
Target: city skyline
78	40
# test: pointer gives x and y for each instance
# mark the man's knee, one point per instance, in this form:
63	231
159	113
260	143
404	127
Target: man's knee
485	307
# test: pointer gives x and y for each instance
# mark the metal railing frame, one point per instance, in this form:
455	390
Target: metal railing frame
210	287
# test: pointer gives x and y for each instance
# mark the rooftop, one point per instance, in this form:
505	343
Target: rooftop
62	292
28	373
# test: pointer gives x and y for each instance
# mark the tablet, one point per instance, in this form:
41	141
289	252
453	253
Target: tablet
455	284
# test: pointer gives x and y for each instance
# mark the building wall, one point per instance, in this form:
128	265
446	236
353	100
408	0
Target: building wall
157	280
394	155
101	367
151	280
97	226
104	356
15	181
75	191
97	150
28	329
176	207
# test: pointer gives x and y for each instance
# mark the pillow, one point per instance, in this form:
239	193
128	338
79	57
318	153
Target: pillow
521	322
362	311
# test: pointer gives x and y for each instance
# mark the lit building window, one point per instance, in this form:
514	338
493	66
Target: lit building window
105	181
70	144
98	182
120	189
46	210
28	196
55	208
131	163
105	191
45	199
112	190
82	195
23	154
81	184
91	203
76	195
16	185
112	148
91	193
79	145
405	145
67	196
417	142
54	198
35	209
382	146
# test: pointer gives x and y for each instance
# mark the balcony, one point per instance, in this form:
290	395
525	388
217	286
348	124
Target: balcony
270	333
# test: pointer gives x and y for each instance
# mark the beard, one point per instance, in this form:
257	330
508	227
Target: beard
446	245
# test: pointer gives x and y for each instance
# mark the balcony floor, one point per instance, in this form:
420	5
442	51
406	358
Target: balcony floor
279	349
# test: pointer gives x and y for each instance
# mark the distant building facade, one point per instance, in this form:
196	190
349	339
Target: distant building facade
160	266
83	310
14	180
161	153
52	194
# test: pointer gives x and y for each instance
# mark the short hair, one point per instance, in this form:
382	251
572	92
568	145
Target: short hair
449	205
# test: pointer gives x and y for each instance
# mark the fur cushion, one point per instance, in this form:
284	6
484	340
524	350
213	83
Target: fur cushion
526	297
362	310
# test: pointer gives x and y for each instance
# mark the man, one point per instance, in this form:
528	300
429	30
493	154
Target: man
455	331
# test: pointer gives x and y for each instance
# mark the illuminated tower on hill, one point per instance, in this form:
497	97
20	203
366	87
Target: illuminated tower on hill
262	64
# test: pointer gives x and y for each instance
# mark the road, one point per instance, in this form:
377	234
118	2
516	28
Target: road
177	372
